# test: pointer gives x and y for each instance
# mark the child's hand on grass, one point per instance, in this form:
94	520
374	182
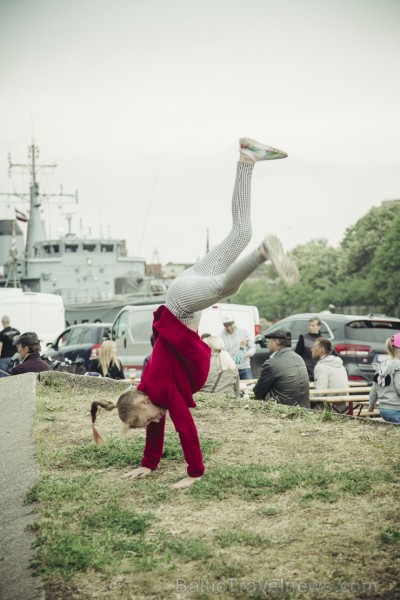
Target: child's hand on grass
139	472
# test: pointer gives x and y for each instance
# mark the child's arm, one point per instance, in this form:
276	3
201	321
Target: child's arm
154	444
152	451
186	428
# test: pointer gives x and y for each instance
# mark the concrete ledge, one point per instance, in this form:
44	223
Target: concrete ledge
19	471
82	381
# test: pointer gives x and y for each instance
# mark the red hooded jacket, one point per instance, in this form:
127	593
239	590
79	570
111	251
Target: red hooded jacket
178	367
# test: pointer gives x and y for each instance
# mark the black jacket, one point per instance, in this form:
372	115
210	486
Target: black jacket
6	337
303	349
115	371
284	377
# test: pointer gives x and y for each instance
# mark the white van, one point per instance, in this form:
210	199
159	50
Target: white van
246	317
131	329
29	311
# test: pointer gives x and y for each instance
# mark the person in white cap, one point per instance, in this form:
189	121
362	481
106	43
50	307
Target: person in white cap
239	345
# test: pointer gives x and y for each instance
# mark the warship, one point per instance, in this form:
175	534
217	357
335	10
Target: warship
94	276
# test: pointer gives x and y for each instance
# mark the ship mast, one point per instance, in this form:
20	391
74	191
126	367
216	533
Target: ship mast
35	231
18	268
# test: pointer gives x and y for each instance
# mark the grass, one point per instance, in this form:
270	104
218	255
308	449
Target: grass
311	481
293	504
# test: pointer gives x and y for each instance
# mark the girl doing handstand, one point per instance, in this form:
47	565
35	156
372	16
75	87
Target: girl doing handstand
180	360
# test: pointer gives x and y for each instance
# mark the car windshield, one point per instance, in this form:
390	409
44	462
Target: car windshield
368	330
89	335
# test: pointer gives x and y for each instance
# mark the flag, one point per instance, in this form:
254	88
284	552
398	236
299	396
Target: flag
20	216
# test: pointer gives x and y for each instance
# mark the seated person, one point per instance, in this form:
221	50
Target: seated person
329	372
223	375
284	375
28	346
107	365
386	383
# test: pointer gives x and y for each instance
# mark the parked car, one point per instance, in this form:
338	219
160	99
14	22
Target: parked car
132	328
358	340
80	344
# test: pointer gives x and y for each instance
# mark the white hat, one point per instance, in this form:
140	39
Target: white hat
228	319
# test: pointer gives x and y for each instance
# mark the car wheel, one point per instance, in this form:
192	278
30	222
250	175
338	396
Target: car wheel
80	370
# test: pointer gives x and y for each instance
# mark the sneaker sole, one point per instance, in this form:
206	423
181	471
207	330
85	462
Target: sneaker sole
273	247
284	266
260	151
287	270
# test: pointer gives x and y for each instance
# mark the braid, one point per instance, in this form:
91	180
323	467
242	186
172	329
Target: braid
93	411
126	410
107	405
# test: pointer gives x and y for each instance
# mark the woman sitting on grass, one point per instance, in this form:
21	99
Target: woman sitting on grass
223	375
386	385
180	360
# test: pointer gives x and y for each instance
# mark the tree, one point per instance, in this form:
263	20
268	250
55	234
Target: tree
385	269
362	239
364	270
318	264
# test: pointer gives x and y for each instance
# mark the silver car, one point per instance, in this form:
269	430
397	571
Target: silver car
358	340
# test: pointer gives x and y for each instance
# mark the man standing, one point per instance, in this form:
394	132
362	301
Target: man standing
306	343
237	342
7	348
284	375
329	372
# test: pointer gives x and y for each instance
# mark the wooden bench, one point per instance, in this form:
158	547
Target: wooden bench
247	384
354	398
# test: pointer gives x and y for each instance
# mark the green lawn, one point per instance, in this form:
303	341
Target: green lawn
294	504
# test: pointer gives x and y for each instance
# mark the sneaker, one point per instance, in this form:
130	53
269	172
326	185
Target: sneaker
284	266
257	151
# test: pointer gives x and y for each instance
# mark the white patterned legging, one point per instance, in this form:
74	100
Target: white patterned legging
218	274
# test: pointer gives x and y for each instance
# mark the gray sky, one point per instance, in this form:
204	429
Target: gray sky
141	105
